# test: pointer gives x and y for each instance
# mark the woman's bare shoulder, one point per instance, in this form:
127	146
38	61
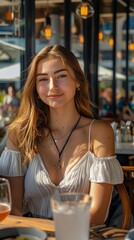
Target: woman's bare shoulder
102	125
11	140
85	121
102	138
96	125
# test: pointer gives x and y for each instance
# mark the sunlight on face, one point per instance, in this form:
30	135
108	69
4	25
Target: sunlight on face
55	85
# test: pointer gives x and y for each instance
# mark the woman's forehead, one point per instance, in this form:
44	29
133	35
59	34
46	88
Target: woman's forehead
56	61
51	60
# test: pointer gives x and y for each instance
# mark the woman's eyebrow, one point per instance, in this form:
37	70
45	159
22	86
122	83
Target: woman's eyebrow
60	70
44	74
41	74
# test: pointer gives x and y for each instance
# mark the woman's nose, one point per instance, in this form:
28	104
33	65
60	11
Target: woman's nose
52	83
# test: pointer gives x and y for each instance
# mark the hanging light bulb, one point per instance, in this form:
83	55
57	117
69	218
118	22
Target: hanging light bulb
132	59
9	15
101	32
111	41
81	38
48	30
131	46
85	10
100	36
119	55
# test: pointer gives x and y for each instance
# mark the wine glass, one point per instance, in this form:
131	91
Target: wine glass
5	199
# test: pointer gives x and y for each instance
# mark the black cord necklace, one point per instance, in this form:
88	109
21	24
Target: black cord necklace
60	152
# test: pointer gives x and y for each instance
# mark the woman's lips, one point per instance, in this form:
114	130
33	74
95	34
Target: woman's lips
55	95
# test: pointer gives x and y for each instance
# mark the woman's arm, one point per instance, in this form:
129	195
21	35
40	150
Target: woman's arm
101	198
17	193
102	145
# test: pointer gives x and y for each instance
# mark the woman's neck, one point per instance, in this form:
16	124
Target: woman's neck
62	122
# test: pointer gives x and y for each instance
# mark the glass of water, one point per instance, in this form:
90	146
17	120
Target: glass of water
71	213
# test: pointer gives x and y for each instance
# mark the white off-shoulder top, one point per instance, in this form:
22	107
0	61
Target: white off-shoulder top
39	187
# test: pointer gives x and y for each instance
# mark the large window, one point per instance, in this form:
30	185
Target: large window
12	44
115	58
116	61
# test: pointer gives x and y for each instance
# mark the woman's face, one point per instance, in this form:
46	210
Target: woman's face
11	91
55	86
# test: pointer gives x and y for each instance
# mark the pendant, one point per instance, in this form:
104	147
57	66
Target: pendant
59	166
55	140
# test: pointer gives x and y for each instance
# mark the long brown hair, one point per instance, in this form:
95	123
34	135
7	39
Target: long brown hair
33	114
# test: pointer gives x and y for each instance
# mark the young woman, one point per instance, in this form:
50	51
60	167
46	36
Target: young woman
54	145
11	102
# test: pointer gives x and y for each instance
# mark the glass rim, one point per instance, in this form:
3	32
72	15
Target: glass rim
71	194
3	180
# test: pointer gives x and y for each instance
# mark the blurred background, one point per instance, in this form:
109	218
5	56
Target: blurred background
102	40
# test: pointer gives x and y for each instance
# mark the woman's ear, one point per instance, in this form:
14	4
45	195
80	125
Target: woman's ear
78	86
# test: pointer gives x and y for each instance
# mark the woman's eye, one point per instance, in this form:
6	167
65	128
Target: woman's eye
43	79
62	76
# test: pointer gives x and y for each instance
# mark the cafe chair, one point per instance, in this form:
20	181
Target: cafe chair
129	183
126	206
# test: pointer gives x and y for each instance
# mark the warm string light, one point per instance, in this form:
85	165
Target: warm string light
132	59
9	15
85	10
111	41
100	36
131	46
13	15
119	55
81	38
48	30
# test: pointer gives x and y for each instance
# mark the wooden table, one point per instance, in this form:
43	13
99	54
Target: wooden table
15	221
48	226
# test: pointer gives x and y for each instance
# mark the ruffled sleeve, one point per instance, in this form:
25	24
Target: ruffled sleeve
10	163
106	169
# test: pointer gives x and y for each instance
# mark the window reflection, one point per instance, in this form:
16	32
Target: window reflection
12	40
